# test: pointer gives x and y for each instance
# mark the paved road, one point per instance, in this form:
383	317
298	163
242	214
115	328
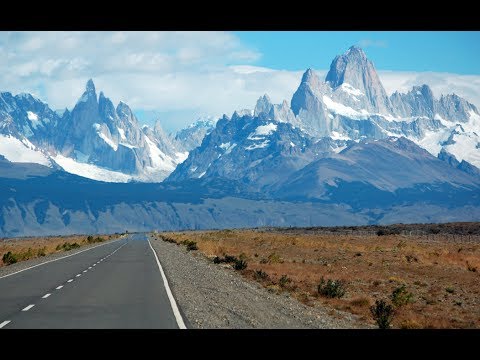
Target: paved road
115	285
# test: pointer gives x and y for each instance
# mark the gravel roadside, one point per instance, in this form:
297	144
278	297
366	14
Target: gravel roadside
6	270
211	296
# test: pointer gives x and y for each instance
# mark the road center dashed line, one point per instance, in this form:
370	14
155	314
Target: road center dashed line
6	322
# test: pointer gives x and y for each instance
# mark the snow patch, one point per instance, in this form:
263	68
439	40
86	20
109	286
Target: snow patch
159	159
23	151
464	148
33	119
258	146
104	137
32	116
122	133
339	149
344	110
349	89
181	157
337	136
90	171
266	129
229	147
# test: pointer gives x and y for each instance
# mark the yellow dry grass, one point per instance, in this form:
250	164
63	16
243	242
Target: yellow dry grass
372	267
33	247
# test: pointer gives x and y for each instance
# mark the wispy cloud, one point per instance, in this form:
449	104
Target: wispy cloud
365	43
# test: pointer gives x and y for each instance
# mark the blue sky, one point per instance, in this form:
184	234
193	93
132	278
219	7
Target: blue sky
440	51
177	77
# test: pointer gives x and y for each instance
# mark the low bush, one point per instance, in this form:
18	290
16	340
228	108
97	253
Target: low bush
41	252
331	288
191	245
382	313
167	239
93	240
9	258
400	296
240	264
260	275
66	246
284	281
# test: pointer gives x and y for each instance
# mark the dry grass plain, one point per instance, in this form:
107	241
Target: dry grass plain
34	247
439	267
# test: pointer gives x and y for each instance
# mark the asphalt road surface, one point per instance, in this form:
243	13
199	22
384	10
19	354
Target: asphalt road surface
114	285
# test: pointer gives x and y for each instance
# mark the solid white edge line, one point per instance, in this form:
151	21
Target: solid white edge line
173	303
46	296
28	307
63	257
6	322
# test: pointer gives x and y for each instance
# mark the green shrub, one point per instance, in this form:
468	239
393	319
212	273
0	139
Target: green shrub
400	296
331	288
230	259
382	314
284	281
191	245
9	258
67	246
260	275
167	239
274	258
240	264
41	252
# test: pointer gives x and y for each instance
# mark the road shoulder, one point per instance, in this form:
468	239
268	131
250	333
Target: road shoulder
211	296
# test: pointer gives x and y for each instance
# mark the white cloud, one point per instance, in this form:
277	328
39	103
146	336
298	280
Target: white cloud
183	74
372	43
466	86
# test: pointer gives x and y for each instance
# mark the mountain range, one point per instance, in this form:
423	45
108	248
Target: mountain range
340	152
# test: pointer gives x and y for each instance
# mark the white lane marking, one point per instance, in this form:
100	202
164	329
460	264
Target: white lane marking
59	287
78	275
173	303
85	271
70	280
28	307
89	267
94	265
6	322
45	296
63	257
